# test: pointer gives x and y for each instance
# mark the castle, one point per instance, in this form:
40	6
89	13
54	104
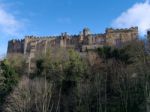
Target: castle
85	40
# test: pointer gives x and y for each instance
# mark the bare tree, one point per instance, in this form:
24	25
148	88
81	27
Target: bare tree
30	95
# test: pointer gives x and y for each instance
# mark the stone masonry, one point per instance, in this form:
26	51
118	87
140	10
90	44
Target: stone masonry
85	40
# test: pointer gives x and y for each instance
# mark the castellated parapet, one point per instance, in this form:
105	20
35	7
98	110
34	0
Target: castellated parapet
15	46
30	45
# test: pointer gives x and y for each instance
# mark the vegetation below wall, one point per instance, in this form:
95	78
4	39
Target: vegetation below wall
104	80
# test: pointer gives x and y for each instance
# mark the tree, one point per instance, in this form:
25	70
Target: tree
75	69
64	69
116	78
8	79
18	63
30	96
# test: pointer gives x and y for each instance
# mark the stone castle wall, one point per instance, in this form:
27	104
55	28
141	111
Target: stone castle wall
85	40
118	36
15	46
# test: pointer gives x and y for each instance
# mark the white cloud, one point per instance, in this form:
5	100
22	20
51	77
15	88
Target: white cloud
137	15
9	24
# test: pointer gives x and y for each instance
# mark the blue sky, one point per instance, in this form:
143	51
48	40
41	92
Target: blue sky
51	17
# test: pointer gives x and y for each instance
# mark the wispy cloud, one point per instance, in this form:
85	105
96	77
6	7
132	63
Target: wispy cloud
137	15
9	24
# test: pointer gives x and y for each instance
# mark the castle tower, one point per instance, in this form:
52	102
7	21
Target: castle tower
87	37
148	35
81	37
86	32
148	41
15	46
63	40
118	36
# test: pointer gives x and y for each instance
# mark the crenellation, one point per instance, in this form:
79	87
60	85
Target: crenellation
84	40
121	30
15	46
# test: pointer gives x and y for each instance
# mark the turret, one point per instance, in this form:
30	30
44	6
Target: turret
15	46
63	40
86	32
148	35
81	36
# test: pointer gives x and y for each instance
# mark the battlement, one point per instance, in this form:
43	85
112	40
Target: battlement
40	37
32	44
112	30
15	46
16	40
